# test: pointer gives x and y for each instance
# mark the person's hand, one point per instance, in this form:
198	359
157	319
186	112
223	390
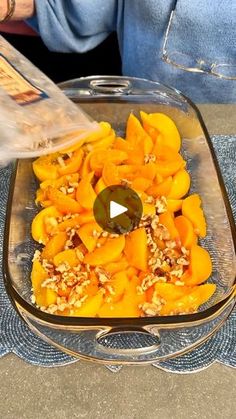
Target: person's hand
22	9
3	9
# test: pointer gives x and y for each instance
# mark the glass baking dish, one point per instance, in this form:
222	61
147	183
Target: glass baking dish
128	340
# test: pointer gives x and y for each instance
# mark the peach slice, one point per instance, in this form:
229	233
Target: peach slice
45	223
137	136
136	249
87	236
100	186
168	161
72	164
90	306
186	231
149	209
128	306
69	256
121	144
141	184
167	219
64	203
65	180
103	143
85	194
200	267
119	282
93	287
110	174
190	302
191	208
148	170
114	267
46	167
171	292
55	245
161	189
101	156
180	185
44	296
107	253
159	123
174	205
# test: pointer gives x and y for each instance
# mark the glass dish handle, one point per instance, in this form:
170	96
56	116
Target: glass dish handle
105	345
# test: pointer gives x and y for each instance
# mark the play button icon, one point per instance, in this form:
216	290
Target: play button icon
118	209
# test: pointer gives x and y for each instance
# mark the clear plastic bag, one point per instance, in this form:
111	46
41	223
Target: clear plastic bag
35	116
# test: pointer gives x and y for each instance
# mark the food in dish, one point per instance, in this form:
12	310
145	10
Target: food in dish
157	269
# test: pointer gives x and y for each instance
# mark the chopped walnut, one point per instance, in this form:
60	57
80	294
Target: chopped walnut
149	158
161	204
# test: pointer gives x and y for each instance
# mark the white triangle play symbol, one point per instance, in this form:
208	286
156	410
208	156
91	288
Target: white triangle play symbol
116	209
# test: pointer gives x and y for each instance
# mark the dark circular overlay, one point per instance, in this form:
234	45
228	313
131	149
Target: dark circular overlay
121	195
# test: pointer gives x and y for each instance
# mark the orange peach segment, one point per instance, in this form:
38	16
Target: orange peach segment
99	158
103	143
44	223
167	220
90	306
44	296
107	253
54	245
174	205
121	144
66	180
85	194
141	184
128	306
103	131
72	164
46	167
93	287
42	198
69	223
136	249
171	292
148	171
69	257
118	309
62	202
190	302
159	123
132	296
119	282
137	136
110	174
88	233
180	185
149	209
200	267
162	189
100	186
85	168
168	161
191	208
185	230
114	267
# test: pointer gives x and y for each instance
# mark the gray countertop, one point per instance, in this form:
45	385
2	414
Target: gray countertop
86	390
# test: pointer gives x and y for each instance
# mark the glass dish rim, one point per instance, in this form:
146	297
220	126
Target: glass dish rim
174	320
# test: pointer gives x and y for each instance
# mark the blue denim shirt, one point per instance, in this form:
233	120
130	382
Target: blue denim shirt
202	31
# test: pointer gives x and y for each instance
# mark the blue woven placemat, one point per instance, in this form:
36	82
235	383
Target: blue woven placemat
16	337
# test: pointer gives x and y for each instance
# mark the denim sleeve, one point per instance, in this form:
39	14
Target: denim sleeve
74	25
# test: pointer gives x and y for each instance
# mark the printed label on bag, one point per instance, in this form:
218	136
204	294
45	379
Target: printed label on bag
17	86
